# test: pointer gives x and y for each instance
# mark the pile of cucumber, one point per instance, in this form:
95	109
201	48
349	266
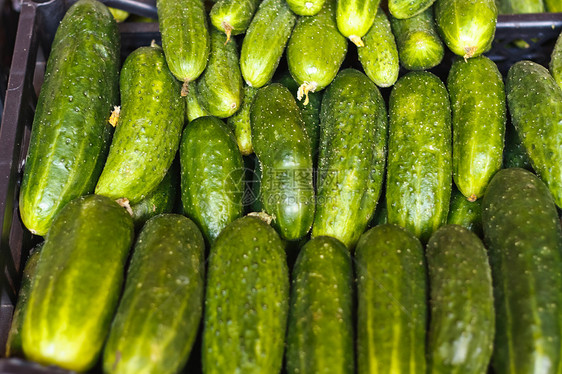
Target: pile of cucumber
261	219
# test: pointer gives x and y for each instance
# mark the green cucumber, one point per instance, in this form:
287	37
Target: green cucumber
462	317
465	213
379	56
352	157
523	237
553	6
159	314
246	300
556	61
118	14
265	41
148	130
418	180
14	341
306	7
514	154
185	38
392	302
314	67
233	16
520	6
70	135
220	87
355	17
77	283
284	151
211	175
403	9
479	114
320	325
194	108
417	40
535	105
240	122
467	26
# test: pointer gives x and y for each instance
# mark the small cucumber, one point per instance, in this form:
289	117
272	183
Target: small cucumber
535	105
285	156
403	9
240	122
467	214
220	86
320	326
355	17
418	180
379	56
462	318
523	236
352	157
514	154
392	302
148	130
314	67
418	42
265	41
185	38
211	175
70	135
467	26
479	115
77	283
306	7
233	16
159	314
246	300
556	61
194	108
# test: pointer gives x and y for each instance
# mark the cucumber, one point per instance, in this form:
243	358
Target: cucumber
220	87
535	104
320	326
148	130
306	7
556	61
314	67
467	26
479	114
240	122
520	6
77	283
407	9
70	135
392	306
514	154
418	180
246	300
233	16
185	38
467	214
553	6
462	318
118	14
355	17
265	41
379	56
284	151
14	341
417	40
159	314
523	237
212	170
194	108
352	157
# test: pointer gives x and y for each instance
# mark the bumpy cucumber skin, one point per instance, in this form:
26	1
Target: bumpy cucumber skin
71	304
418	42
240	122
465	213
479	115
556	61
535	105
162	301
403	9
355	17
70	135
351	158
392	306
285	155
233	14
316	64
462	321
418	181
14	341
161	200
220	86
320	326
265	41
523	237
306	7
246	300
193	106
148	130
185	37
467	26
379	56
212	170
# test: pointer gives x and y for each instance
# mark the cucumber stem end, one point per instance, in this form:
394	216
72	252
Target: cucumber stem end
185	88
357	40
304	89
